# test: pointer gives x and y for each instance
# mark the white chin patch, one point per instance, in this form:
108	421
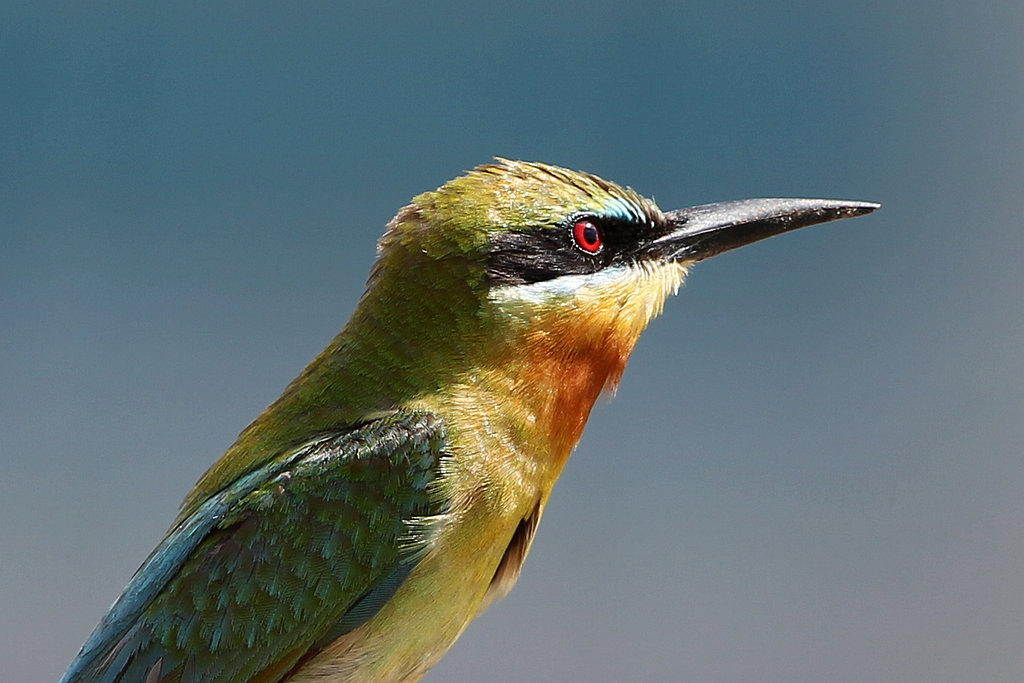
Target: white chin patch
642	287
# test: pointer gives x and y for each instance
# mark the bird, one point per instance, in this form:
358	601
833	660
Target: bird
392	492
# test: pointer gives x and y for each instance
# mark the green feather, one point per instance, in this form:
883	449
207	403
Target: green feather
283	563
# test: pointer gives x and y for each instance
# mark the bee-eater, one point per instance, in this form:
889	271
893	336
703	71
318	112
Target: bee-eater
391	493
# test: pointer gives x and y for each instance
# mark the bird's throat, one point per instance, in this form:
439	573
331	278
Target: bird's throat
564	357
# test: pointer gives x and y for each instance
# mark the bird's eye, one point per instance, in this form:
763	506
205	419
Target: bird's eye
587	236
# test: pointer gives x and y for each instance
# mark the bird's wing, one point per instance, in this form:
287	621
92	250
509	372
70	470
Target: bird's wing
290	556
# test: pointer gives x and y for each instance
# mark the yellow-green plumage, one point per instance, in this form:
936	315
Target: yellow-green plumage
391	493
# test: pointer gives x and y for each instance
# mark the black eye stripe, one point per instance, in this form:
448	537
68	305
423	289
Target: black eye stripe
534	255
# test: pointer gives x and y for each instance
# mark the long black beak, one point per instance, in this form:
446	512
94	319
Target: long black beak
700	232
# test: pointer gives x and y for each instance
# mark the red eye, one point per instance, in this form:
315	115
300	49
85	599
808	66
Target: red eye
587	236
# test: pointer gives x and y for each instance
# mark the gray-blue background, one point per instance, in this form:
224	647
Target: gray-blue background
812	470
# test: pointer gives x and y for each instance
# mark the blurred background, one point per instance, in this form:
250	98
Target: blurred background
812	470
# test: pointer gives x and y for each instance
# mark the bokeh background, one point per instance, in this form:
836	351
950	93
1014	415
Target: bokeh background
812	470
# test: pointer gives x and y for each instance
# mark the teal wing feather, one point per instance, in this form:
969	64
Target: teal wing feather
279	563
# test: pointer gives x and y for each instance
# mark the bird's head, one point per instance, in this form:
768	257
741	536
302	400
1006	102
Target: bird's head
515	248
546	276
515	251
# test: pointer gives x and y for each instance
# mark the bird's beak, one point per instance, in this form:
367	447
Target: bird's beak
700	232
